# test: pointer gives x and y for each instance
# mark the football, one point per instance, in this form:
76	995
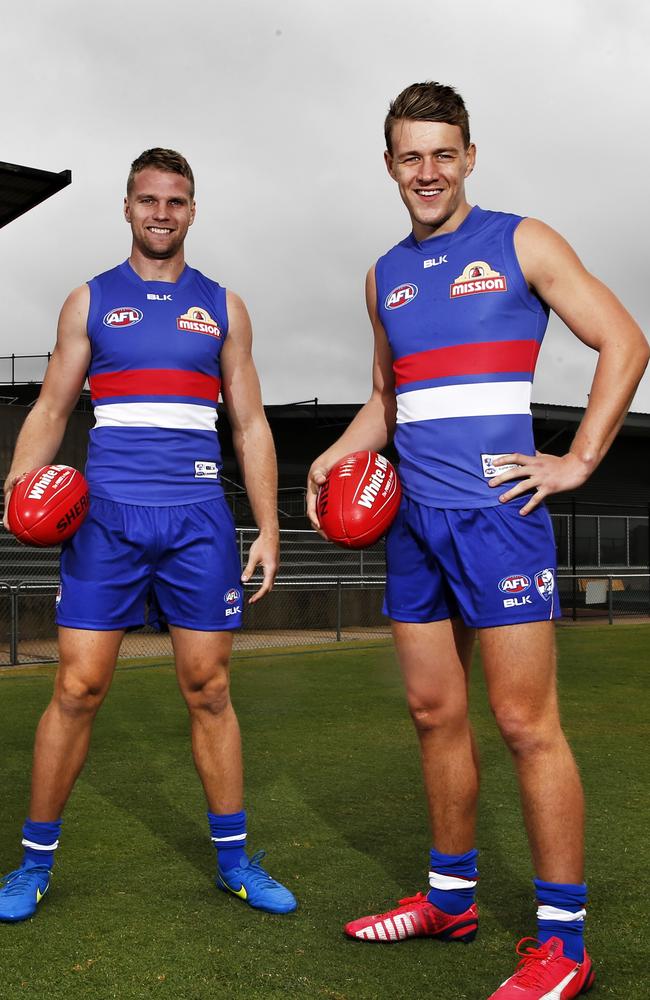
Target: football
48	505
359	499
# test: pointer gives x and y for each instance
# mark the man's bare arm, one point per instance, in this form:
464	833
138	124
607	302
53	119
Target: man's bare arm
374	424
594	314
42	432
252	441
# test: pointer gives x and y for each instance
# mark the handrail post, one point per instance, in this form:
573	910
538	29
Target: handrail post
610	601
573	558
339	604
13	628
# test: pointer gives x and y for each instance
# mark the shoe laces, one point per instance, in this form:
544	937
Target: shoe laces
16	882
416	900
256	872
530	970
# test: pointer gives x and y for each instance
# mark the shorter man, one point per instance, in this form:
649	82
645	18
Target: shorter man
158	341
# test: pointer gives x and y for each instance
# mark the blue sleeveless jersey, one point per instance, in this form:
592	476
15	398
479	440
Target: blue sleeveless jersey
465	331
154	382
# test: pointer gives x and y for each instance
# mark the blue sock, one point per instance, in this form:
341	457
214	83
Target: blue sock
40	841
561	913
453	879
229	837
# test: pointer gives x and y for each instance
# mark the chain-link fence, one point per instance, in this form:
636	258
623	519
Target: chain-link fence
322	594
618	597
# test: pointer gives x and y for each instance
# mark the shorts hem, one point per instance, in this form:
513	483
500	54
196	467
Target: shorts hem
98	626
195	627
425	620
516	621
103	627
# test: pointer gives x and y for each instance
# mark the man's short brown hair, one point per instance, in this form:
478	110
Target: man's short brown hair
428	102
161	159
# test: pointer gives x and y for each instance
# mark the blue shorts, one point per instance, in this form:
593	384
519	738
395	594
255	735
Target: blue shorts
184	560
488	566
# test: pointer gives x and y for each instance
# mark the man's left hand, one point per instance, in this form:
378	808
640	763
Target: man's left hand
264	552
545	474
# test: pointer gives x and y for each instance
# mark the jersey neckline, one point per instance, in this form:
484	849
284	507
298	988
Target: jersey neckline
469	225
131	275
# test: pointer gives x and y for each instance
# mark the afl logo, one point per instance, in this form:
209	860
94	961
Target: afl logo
124	316
231	596
400	296
515	584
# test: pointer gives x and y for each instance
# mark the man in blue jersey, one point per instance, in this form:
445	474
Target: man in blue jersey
459	309
158	341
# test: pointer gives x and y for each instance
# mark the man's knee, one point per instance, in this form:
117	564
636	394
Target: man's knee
77	696
437	714
527	732
211	694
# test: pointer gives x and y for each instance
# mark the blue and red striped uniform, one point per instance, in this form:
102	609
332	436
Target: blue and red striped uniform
159	530
154	380
465	331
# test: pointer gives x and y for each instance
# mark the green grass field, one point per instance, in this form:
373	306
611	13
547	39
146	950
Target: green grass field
334	795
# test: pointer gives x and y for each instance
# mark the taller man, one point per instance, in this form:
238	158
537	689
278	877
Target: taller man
459	309
158	342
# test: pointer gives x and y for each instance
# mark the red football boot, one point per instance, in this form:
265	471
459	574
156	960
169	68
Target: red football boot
415	917
545	974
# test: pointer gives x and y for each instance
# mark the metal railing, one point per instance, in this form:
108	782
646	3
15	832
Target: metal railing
12	365
305	557
303	610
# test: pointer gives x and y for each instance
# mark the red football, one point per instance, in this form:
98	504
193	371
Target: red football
359	499
48	505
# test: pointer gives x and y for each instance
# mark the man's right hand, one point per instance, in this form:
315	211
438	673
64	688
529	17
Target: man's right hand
315	479
10	482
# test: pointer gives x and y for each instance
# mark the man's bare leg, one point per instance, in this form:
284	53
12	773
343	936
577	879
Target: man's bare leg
203	670
86	665
520	669
435	660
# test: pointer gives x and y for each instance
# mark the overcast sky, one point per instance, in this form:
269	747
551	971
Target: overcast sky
279	108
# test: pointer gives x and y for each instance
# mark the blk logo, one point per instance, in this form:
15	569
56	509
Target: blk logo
517	602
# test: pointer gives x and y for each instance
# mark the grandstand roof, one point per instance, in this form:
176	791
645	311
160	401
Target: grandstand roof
21	188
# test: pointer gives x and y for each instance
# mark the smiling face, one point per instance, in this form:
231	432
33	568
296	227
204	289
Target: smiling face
429	162
160	209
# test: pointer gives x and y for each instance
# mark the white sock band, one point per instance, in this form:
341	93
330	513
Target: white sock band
448	882
39	847
552	913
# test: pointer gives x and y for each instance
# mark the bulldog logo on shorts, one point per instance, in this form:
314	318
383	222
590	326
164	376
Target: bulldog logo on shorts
545	583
